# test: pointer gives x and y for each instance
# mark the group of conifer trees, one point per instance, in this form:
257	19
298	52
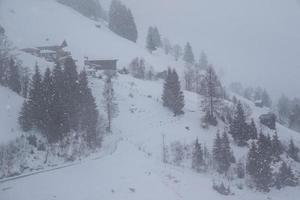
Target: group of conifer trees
10	70
121	21
61	102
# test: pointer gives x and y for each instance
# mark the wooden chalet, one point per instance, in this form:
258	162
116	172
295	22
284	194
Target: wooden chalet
101	64
52	53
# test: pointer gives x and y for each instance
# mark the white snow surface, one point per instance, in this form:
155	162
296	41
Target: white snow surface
33	23
134	169
10	105
129	166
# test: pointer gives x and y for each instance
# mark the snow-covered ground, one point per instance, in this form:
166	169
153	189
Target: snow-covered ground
10	106
49	23
134	169
129	165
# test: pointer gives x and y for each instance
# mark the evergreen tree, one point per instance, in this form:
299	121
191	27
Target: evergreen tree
222	153
217	152
263	179
109	102
157	38
5	51
285	177
151	46
266	100
167	93
197	157
14	80
203	62
240	169
252	160
177	51
88	113
121	21
58	113
89	8
172	95
252	130
277	148
283	107
35	98
188	55
294	118
25	118
293	151
212	93
47	93
70	95
238	127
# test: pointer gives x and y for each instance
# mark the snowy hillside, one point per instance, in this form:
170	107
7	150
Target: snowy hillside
10	107
129	165
83	37
242	38
134	169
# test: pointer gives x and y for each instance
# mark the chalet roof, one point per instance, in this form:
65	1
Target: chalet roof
30	50
101	62
54	47
51	48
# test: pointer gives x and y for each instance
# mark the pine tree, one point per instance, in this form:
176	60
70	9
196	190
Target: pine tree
177	98
109	102
167	93
188	55
89	8
177	52
238	127
172	95
266	100
88	113
151	46
121	21
25	118
222	153
58	111
203	62
294	118
212	88
252	130
228	154
240	170
285	177
70	95
252	160
283	107
197	157
217	151
14	80
47	95
157	38
293	151
263	179
35	98
277	148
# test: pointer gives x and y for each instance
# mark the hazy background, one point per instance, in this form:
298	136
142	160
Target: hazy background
256	42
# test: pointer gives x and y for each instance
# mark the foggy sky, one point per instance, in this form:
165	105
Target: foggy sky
253	41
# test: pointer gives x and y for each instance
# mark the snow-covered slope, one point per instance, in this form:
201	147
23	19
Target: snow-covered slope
10	105
34	23
134	169
253	41
131	167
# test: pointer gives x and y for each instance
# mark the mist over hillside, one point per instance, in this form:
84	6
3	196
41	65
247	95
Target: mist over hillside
256	42
149	100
